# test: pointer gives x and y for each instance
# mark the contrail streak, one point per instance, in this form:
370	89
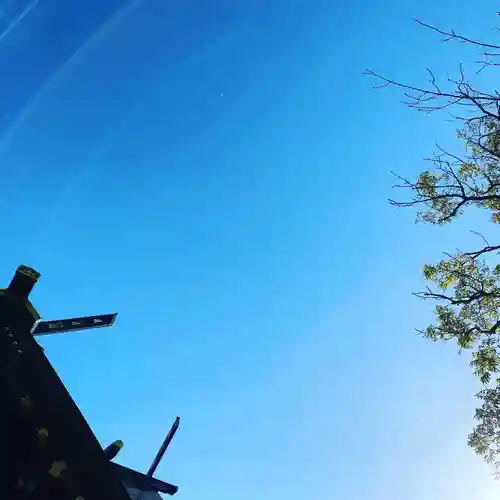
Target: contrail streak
41	236
14	23
98	35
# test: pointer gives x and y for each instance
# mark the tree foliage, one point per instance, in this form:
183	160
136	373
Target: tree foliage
464	285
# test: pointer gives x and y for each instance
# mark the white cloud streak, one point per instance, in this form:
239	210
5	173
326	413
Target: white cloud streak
17	20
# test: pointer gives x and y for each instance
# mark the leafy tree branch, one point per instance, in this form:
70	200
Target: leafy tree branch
465	286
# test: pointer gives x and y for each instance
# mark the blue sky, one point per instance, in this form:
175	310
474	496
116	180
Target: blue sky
218	173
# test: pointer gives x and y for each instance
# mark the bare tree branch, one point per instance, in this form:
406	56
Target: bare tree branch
452	35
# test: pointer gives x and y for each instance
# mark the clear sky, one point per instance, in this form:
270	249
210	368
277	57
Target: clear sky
217	172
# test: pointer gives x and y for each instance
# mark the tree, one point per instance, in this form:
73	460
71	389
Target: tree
465	285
